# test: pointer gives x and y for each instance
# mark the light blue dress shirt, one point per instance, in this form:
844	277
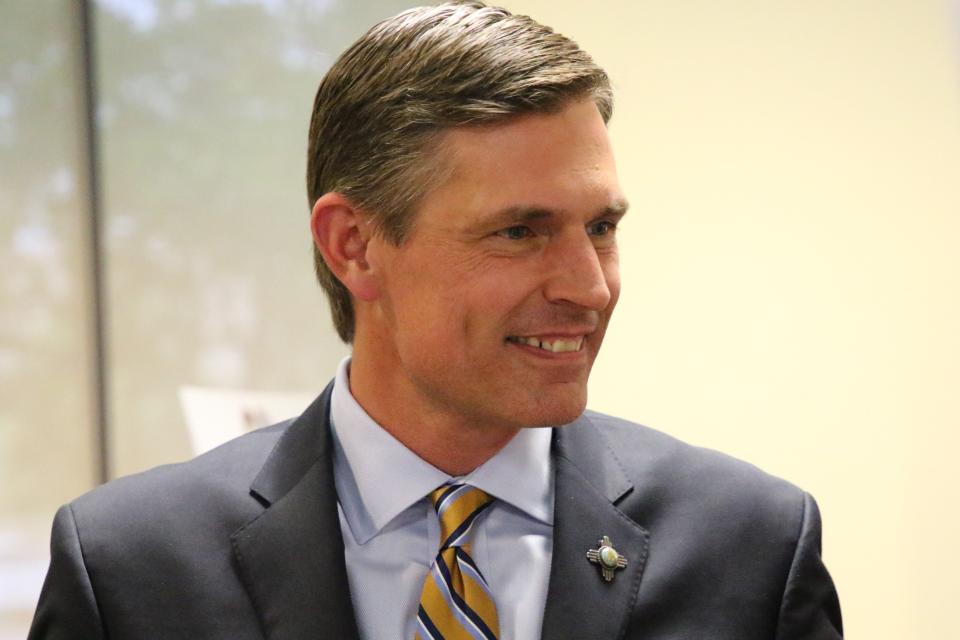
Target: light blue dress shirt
391	532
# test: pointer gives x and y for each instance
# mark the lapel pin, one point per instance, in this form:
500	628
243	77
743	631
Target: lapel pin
608	558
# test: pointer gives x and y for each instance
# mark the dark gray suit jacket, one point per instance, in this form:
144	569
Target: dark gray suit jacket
244	542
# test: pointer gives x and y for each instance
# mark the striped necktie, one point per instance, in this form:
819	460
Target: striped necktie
456	603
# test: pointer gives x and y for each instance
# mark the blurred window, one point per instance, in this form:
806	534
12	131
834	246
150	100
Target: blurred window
202	115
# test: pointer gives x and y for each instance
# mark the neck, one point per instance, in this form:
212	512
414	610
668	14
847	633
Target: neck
453	443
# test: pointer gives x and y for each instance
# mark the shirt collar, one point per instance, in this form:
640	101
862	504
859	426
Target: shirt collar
378	478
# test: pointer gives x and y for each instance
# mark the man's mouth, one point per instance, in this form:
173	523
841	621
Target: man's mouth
555	345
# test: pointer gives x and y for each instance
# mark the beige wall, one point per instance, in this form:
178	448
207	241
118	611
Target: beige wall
791	264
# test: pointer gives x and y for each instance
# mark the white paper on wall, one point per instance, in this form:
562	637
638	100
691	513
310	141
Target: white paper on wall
215	415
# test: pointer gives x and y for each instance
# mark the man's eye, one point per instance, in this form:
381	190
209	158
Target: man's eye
518	232
601	228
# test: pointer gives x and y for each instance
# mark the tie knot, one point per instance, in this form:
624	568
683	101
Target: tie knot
458	506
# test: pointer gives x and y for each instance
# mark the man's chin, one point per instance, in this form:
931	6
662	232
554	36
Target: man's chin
554	414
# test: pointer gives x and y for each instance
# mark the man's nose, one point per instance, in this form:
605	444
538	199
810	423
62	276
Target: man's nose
576	275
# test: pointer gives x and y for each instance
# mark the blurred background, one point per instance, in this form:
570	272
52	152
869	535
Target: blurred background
791	265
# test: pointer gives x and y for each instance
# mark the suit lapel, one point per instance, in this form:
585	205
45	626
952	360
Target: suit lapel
290	557
589	482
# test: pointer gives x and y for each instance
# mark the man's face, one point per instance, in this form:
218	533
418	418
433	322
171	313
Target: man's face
493	309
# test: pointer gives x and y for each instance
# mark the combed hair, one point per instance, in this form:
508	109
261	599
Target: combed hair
380	109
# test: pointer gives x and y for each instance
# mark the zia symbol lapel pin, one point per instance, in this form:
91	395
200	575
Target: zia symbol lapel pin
607	557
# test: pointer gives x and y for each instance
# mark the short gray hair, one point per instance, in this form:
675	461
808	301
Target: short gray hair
382	105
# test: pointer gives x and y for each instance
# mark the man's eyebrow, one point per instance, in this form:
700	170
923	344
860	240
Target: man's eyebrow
518	215
523	214
617	209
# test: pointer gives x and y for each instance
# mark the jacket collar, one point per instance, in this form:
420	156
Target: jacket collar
590	482
290	557
291	560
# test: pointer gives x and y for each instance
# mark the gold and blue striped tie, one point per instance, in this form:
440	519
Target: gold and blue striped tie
456	603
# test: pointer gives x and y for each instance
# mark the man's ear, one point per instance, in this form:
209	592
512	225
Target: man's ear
341	233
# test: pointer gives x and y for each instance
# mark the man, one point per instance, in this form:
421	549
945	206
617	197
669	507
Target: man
449	484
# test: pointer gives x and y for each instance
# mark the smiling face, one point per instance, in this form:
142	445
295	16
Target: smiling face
490	313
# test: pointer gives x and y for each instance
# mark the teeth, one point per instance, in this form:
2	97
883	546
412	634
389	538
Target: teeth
561	346
557	346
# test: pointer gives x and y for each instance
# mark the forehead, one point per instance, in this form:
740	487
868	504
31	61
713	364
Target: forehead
558	161
576	129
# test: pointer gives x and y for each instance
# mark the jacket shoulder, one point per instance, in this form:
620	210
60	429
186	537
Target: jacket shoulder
669	474
212	489
723	535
